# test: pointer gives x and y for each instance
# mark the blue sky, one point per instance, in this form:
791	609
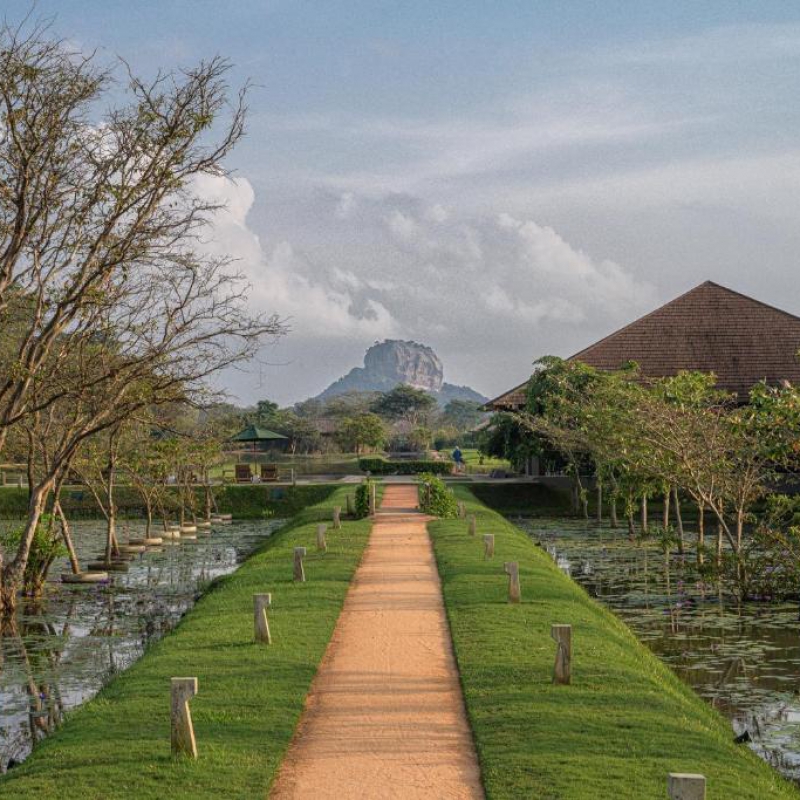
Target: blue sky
498	180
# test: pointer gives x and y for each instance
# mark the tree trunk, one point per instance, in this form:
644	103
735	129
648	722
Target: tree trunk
645	525
112	546
667	496
149	512
719	543
676	505
599	501
67	537
612	508
701	532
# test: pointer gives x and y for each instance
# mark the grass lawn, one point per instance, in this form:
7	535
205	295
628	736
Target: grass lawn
623	724
250	696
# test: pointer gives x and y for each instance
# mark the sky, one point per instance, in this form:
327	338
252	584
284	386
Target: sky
499	180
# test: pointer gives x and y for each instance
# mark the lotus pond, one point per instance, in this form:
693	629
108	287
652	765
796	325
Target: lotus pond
66	647
744	658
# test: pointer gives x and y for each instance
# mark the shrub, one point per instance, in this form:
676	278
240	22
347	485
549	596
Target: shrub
362	500
435	498
380	466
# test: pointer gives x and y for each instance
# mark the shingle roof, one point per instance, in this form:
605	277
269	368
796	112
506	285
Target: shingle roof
711	329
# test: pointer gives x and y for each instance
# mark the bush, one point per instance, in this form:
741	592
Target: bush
362	500
435	498
380	466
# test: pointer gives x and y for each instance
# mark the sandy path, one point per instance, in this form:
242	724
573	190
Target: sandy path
385	716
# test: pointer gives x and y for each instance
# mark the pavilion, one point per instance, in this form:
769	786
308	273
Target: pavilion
709	329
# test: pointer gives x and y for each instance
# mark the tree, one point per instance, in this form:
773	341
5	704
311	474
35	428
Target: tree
462	414
360	432
404	402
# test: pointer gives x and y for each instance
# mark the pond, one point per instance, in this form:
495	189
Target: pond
743	658
64	651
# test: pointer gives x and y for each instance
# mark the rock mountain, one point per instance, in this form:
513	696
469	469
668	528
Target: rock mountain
390	363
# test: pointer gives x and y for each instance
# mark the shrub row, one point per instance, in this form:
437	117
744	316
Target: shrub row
381	466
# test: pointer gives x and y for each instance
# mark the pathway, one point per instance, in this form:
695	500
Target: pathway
385	716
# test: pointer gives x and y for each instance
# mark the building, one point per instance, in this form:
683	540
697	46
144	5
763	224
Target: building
709	329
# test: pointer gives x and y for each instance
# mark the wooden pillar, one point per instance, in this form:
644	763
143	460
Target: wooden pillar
488	545
322	545
512	570
261	602
299	572
473	525
562	636
337	517
684	786
182	737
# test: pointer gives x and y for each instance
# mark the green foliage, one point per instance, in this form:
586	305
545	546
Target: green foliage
404	402
462	414
435	498
623	724
361	431
381	466
361	509
250	696
46	546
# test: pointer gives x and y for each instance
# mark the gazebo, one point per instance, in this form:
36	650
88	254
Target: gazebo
260	438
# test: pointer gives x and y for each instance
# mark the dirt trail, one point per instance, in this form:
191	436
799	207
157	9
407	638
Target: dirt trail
385	716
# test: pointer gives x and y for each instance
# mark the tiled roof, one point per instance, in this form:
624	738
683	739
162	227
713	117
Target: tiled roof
711	329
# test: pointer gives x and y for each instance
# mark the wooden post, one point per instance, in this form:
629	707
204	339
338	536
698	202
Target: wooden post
473	525
562	636
512	570
488	545
292	475
462	510
182	738
349	505
372	499
261	602
683	786
337	517
322	545
299	572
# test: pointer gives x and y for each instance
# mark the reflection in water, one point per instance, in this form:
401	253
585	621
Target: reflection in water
61	651
743	657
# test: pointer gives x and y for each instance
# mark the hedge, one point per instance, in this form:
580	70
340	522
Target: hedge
381	466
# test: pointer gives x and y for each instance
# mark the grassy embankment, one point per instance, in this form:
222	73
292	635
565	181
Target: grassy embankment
623	724
250	696
246	501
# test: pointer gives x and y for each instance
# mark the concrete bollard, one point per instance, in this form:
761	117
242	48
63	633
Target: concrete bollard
473	525
562	636
488	545
462	510
373	502
261	633
683	786
322	545
182	737
349	505
337	517
299	572
512	570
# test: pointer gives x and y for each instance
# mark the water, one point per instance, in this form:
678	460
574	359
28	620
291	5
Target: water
743	658
63	651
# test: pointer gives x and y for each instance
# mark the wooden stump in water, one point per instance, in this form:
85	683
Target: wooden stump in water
183	741
322	545
337	517
488	545
261	632
562	635
514	592
684	786
299	572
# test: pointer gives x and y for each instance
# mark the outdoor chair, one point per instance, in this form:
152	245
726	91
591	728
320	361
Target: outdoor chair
269	472
243	474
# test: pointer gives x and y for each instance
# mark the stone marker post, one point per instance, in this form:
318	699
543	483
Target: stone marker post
261	602
562	636
372	500
322	545
299	572
488	545
473	525
349	505
182	738
462	510
292	476
337	517
512	570
683	786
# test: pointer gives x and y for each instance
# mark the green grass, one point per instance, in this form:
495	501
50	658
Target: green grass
250	696
623	724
